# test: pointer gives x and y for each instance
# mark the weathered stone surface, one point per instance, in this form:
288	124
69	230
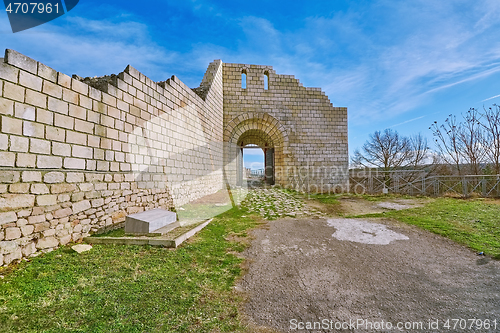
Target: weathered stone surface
81	248
16	201
81	206
9	176
46	200
29	249
27	230
16	255
47	242
12	233
62	213
53	177
7	247
7	217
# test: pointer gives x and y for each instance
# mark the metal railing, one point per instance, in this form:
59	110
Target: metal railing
422	184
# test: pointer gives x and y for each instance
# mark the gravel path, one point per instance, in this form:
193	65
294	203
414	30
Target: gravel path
375	272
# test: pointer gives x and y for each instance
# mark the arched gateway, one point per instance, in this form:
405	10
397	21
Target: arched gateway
303	136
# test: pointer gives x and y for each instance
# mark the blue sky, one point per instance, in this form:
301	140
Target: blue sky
394	64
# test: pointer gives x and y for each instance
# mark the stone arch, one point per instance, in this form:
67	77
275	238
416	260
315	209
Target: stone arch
263	130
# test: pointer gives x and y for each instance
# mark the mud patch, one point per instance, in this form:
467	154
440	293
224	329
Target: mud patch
361	231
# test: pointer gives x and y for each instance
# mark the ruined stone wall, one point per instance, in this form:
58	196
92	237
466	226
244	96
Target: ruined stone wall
76	156
310	134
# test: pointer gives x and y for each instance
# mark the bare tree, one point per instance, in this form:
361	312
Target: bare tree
385	150
491	139
462	143
447	138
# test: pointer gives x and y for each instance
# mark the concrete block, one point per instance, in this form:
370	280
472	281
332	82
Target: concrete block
149	221
79	87
58	106
64	121
54	133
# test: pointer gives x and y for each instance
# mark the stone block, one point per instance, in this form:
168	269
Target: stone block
19	143
47	242
35	98
80	151
19	188
74	177
12	233
24	111
60	149
7	159
55	134
47	72
26	160
64	121
52	89
4	141
33	129
60	213
6	107
64	80
79	87
149	221
62	188
28	249
58	106
38	146
12	125
44	116
9	176
49	162
14	92
9	258
46	200
21	61
65	239
81	206
27	230
7	247
7	217
31	81
74	163
8	73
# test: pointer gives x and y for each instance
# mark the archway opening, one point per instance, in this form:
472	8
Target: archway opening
257	158
254	165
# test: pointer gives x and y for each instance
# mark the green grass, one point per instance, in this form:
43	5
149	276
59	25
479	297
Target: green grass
474	223
328	199
118	288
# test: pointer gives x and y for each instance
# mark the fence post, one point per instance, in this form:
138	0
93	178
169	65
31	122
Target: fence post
464	187
483	181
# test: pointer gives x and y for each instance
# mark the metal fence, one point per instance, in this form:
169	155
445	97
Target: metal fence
423	184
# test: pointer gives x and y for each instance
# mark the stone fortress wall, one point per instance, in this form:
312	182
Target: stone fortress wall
79	154
76	156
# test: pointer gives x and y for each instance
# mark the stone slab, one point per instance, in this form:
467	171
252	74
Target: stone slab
149	221
172	243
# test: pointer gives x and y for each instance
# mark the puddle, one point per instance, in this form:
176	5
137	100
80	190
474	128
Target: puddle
362	231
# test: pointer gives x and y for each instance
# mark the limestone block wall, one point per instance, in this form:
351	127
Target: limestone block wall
309	134
78	154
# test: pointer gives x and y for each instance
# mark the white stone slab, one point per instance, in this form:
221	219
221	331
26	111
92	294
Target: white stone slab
149	221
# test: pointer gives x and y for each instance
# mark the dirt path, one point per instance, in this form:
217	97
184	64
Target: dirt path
365	272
